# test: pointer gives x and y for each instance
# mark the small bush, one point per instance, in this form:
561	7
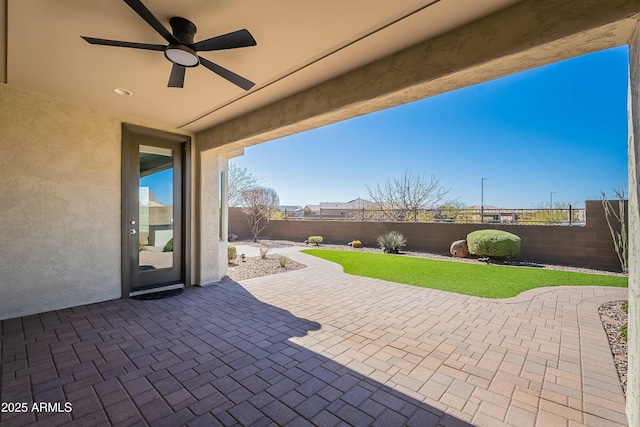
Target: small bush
283	260
264	251
356	244
391	242
316	240
142	247
232	252
493	243
169	246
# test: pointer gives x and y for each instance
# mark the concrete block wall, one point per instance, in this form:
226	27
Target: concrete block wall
586	246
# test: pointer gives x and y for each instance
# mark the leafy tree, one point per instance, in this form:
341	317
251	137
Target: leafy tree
239	179
259	204
400	198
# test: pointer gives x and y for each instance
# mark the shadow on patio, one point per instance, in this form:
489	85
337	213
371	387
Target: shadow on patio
210	356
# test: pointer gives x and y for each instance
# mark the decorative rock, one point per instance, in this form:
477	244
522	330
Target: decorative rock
233	237
459	249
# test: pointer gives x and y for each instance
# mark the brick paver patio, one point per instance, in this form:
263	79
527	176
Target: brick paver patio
317	347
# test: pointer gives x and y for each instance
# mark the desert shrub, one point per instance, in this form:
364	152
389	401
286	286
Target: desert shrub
169	246
264	251
283	261
391	242
142	247
493	243
316	240
356	244
232	252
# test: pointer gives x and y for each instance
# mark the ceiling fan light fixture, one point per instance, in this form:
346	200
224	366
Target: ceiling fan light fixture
181	55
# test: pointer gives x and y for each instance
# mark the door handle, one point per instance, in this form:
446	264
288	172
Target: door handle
133	231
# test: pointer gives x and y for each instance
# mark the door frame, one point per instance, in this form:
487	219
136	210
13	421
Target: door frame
129	132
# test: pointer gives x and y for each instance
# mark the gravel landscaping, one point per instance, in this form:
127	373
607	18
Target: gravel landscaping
613	318
257	267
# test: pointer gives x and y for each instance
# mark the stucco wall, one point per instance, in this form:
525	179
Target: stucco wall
59	204
213	250
633	375
588	246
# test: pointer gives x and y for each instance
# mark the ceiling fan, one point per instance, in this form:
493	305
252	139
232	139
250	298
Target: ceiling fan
181	51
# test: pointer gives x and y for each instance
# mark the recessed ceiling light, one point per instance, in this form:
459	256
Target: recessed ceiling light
123	92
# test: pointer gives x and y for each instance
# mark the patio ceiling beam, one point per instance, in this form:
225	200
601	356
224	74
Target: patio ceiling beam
524	36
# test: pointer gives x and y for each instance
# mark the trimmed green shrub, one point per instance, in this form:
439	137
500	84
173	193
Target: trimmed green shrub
316	240
169	246
232	252
391	242
142	247
493	243
356	244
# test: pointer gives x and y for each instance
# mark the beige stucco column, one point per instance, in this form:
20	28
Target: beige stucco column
633	379
212	232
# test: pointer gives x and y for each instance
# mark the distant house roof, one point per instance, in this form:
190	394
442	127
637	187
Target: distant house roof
290	208
478	207
353	204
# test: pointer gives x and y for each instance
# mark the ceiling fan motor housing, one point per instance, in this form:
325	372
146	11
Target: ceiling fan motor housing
182	53
183	29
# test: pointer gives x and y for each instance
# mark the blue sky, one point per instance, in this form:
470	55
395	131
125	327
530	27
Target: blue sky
561	128
161	184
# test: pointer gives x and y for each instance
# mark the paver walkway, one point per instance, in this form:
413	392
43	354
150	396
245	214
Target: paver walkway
318	347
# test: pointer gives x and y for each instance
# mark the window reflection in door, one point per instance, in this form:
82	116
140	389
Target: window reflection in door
155	217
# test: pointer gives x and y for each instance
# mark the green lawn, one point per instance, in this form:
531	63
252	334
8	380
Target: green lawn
489	281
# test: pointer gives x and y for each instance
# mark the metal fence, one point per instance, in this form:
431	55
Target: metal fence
566	216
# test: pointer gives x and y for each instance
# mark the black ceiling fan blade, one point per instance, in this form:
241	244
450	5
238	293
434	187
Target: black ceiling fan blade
105	42
146	14
176	79
240	38
226	74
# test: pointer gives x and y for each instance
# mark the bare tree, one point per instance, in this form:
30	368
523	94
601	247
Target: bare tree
239	179
618	228
398	198
259	204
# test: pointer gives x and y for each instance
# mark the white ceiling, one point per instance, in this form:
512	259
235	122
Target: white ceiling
299	45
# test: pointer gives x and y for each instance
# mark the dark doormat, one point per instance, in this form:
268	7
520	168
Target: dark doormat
159	295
